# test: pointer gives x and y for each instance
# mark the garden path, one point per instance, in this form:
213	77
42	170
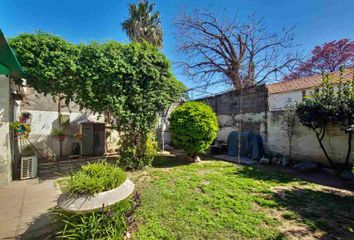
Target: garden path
24	209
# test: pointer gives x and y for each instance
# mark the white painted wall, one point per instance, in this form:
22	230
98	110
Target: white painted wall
45	118
43	123
278	101
5	148
305	144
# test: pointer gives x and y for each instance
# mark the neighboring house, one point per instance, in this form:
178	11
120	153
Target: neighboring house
9	69
289	93
305	144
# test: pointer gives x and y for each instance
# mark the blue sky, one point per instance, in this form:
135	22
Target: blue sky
316	21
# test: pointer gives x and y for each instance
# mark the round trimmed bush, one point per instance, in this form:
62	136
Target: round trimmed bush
193	126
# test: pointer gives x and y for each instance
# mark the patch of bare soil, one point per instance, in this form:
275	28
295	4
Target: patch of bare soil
202	172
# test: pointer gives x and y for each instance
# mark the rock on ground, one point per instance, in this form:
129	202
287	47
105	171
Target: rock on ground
306	166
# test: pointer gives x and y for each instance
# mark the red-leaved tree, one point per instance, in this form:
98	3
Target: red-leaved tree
326	58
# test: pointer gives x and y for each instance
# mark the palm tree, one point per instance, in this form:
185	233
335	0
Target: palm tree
143	24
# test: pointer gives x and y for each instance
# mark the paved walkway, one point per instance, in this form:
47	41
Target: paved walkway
24	209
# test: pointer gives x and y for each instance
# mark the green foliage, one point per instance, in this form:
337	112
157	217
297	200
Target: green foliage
193	126
129	83
178	88
95	178
143	24
318	110
132	83
127	153
110	223
330	107
58	132
49	61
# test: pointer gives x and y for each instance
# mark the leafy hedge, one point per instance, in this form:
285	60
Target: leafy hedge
193	126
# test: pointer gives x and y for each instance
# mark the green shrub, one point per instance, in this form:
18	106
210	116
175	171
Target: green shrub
107	224
193	126
94	178
128	159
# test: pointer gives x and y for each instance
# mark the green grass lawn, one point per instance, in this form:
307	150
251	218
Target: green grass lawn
219	200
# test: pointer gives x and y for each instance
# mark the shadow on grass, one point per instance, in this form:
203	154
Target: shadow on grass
329	211
169	161
260	174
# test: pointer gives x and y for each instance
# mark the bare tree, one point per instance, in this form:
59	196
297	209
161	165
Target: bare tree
228	50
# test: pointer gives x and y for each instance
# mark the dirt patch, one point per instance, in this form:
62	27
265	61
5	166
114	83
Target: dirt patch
203	172
198	190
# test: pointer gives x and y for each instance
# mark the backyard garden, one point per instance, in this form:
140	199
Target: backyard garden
181	197
177	199
144	192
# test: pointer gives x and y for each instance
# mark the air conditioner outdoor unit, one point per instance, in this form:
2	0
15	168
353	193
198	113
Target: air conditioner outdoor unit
29	167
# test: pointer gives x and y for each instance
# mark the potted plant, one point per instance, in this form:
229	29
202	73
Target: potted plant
21	129
59	133
94	187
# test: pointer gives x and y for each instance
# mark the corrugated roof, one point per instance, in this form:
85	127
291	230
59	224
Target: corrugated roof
307	82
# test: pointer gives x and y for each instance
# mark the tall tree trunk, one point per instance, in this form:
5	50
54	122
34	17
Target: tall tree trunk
61	127
290	148
240	128
320	138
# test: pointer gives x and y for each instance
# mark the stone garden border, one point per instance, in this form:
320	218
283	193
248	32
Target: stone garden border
85	203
